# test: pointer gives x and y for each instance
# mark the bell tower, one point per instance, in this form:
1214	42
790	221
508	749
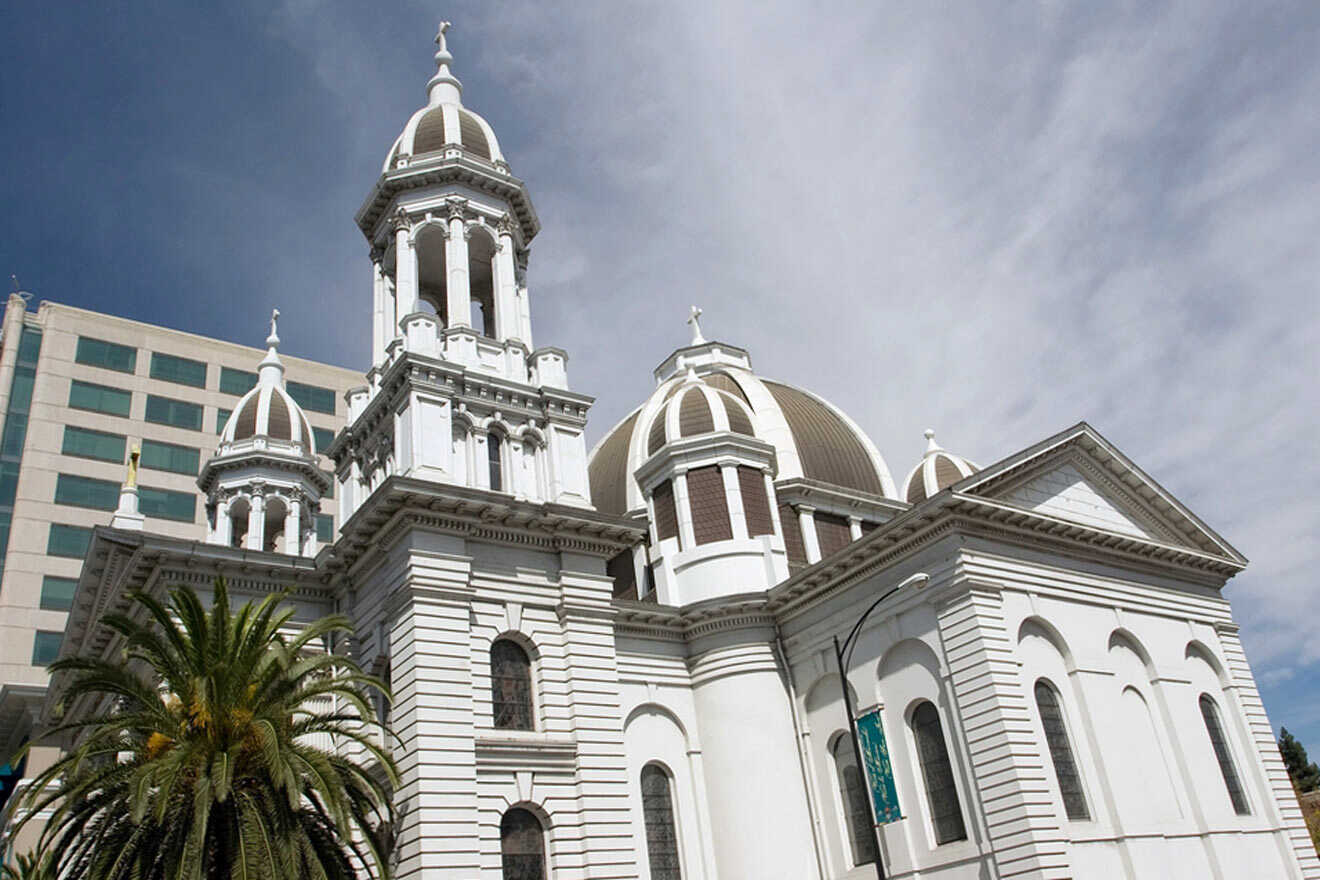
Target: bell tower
456	392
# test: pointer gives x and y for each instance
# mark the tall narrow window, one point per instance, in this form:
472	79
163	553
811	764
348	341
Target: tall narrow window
494	457
1061	755
511	686
522	845
1210	712
941	791
857	812
661	834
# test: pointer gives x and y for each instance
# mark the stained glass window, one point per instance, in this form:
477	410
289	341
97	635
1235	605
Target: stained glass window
941	791
1210	712
852	789
661	833
1061	755
493	445
511	686
522	846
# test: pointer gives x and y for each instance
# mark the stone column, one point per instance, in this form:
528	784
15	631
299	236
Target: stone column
506	295
390	314
223	533
405	269
998	739
733	499
256	534
807	523
524	310
293	528
855	527
687	538
773	502
458	294
378	324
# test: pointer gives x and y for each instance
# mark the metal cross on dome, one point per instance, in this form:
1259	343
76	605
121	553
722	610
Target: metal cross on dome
694	320
440	36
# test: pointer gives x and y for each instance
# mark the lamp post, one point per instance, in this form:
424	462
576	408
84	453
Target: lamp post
841	655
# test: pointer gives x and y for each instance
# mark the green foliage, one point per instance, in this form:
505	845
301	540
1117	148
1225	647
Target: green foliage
200	751
1304	773
28	866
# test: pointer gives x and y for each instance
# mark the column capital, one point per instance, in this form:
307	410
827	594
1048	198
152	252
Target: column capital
456	207
400	221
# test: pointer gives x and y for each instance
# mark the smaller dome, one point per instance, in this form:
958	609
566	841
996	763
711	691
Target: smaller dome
268	411
695	408
937	470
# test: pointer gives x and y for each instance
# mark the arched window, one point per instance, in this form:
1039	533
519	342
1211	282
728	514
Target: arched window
661	833
941	791
522	845
511	686
494	455
857	812
1061	755
1210	712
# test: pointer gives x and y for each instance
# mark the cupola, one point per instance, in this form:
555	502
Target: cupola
262	484
938	470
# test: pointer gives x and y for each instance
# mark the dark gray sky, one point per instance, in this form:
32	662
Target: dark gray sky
992	219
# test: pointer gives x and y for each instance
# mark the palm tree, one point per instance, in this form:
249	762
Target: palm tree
207	751
27	866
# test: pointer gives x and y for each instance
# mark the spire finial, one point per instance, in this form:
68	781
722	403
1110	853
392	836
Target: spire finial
931	445
444	87
695	320
270	370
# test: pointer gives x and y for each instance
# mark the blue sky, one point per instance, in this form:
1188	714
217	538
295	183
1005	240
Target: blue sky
992	219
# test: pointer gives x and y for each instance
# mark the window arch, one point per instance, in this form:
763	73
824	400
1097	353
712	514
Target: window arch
522	845
1215	728
852	792
1061	753
661	832
511	686
941	790
495	461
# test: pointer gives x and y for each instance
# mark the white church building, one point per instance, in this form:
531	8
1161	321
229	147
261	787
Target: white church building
620	663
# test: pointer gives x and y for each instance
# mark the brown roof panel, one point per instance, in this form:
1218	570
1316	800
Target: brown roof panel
608	471
826	445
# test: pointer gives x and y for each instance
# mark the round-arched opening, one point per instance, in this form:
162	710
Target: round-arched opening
481	280
277	512
522	845
432	282
239	510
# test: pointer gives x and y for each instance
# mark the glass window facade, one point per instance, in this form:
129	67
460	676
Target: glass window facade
325	528
46	647
57	593
170	457
15	433
69	541
100	398
80	491
236	381
109	355
165	504
86	443
312	397
221	416
178	413
171	368
323	437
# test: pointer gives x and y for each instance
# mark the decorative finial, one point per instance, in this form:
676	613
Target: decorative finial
17	286
695	321
444	87
270	371
931	445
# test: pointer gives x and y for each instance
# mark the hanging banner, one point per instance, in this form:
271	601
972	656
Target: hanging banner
879	771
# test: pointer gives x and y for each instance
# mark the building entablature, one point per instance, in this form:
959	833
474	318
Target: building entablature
837	500
705	450
241	464
442	170
402	504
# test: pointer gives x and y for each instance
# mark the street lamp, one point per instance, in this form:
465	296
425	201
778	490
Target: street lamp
841	655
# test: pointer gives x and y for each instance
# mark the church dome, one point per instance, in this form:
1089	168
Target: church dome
812	439
444	121
693	408
938	470
268	412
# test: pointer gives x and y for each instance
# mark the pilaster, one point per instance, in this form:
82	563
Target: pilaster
1013	790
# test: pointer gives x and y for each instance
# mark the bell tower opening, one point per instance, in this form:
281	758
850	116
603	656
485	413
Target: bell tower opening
432	271
481	278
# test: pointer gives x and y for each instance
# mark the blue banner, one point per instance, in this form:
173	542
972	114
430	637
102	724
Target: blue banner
879	771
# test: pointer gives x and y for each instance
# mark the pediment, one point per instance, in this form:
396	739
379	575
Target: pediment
1079	477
